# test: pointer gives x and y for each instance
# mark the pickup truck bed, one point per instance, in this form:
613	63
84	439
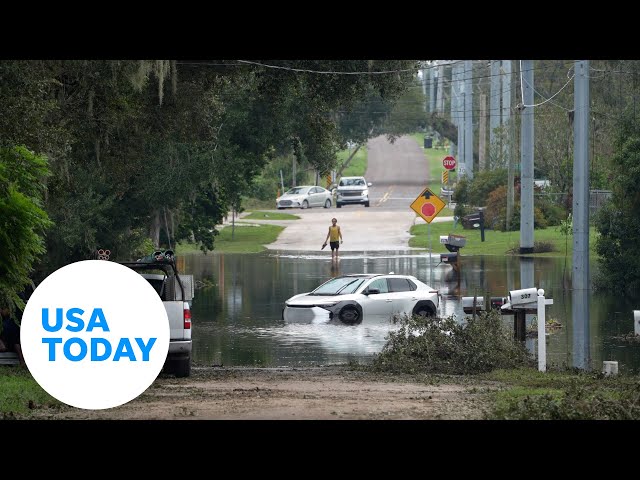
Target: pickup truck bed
176	292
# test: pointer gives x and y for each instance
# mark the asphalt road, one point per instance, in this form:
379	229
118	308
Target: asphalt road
399	174
398	171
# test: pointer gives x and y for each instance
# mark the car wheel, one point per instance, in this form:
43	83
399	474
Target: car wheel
327	204
338	205
305	204
366	204
350	315
423	311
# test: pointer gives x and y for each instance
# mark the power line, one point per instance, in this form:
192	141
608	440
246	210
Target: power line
523	81
381	72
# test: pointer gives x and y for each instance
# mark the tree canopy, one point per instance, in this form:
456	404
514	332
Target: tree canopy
157	151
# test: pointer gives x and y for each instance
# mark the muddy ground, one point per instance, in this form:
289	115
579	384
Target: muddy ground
315	393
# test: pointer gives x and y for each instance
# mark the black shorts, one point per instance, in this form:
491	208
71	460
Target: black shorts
334	245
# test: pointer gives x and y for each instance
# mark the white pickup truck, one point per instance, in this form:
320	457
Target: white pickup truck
352	190
176	292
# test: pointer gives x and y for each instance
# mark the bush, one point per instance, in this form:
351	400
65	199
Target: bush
446	346
541	246
484	183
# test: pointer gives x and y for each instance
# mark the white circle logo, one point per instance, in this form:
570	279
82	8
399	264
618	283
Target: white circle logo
95	334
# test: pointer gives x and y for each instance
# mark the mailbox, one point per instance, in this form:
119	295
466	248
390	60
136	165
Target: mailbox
495	303
451	257
523	297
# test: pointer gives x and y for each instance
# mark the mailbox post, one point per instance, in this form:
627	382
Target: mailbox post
521	302
453	243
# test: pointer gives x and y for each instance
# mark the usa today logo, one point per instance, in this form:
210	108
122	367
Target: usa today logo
95	334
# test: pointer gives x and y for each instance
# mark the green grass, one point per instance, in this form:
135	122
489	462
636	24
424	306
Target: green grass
251	204
246	239
20	393
358	165
563	394
495	242
270	216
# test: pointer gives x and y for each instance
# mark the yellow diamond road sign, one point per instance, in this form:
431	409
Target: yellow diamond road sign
427	205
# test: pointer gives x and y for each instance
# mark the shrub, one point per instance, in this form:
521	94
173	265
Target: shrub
447	346
600	400
538	247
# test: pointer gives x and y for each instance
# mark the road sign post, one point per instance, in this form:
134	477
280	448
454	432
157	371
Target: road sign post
449	162
428	205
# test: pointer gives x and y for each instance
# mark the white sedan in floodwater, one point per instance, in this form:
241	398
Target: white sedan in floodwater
350	298
305	196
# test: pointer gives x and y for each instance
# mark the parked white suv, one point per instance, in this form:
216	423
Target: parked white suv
352	190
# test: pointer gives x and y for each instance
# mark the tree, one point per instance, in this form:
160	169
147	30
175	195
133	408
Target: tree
160	150
618	221
407	115
23	222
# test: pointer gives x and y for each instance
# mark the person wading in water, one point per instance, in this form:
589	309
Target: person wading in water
334	237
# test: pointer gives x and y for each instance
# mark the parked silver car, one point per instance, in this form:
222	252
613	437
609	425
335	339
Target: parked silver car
305	196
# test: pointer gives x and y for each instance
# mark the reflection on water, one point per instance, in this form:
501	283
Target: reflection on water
238	321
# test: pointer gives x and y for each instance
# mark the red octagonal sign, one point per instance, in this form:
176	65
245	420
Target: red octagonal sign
428	210
449	162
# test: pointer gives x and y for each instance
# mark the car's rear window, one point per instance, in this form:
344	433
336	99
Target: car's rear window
401	285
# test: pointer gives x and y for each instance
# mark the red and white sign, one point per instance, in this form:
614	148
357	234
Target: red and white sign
449	162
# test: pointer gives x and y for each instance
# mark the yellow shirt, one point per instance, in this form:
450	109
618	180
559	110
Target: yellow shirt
334	233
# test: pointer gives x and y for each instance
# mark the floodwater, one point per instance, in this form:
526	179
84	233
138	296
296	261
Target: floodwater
237	318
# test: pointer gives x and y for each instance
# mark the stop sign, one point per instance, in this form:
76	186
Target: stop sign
449	162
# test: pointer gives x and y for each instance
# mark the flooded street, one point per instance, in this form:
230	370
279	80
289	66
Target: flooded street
238	321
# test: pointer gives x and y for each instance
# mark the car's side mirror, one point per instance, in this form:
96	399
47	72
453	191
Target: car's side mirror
372	291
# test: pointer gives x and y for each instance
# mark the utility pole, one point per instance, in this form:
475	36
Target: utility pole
482	133
455	105
432	89
507	152
511	176
293	169
580	265
424	71
440	95
459	114
506	106
468	119
494	109
526	155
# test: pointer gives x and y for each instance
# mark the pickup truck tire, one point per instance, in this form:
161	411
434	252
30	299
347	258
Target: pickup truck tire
366	204
183	368
338	205
179	366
